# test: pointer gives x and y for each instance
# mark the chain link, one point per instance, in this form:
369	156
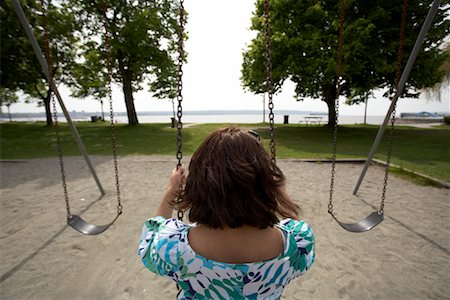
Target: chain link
269	83
338	92
397	80
60	157
111	110
181	54
48	57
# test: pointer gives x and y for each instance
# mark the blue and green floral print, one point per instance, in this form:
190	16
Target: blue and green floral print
164	249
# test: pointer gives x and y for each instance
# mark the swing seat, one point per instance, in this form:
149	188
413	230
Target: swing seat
366	224
77	223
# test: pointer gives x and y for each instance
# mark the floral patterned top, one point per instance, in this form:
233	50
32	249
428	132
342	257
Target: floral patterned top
164	249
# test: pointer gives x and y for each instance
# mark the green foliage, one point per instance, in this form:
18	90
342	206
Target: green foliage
447	120
435	92
143	45
7	97
89	78
304	36
20	69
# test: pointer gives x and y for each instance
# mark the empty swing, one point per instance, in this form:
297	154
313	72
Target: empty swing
377	217
76	221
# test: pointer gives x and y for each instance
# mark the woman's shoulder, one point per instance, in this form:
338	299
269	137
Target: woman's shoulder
300	245
167	229
295	227
299	236
166	225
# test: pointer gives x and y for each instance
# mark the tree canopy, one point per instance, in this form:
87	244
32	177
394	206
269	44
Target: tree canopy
304	37
143	45
20	70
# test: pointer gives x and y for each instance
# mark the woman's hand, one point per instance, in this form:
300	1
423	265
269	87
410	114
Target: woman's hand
176	180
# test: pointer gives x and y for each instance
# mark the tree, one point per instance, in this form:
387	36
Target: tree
143	47
7	97
435	92
304	37
88	78
20	69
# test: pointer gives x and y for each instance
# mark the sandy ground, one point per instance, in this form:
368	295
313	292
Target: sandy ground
405	257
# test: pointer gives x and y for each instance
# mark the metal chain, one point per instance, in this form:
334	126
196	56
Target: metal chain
268	55
111	111
181	54
338	87
338	91
48	57
397	80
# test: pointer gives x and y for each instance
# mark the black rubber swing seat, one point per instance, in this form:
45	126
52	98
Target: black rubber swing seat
366	224
77	223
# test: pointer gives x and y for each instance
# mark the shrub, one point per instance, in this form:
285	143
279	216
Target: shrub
447	120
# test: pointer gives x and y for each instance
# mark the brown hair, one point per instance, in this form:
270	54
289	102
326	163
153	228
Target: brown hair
232	181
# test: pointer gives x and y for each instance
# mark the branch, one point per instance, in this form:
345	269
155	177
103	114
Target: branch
37	90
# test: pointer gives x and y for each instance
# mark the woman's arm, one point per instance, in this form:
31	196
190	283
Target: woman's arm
176	181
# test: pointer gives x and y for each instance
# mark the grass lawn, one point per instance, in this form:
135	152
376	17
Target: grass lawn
422	150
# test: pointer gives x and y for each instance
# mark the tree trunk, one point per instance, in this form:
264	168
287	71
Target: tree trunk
128	93
365	111
103	112
48	112
329	98
9	111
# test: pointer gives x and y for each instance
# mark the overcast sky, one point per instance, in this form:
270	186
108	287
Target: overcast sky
218	34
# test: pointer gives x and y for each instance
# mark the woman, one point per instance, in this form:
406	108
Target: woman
236	248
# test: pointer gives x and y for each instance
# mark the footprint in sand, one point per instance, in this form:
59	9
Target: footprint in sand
343	292
78	251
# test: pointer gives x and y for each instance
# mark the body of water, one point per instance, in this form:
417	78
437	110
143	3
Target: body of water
234	118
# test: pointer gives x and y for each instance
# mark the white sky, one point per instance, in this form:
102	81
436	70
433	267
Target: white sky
218	34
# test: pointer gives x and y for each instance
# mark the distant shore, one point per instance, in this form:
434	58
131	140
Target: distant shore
221	116
293	117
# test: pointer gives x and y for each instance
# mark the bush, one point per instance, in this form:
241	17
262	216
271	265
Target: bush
447	120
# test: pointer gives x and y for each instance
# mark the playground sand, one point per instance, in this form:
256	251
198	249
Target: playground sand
406	257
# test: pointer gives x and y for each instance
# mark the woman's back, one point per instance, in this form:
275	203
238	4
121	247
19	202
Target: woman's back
165	249
237	245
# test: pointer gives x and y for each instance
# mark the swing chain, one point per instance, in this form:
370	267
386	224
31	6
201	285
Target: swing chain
339	83
60	157
179	154
268	56
48	57
335	134
180	82
388	161
397	80
111	111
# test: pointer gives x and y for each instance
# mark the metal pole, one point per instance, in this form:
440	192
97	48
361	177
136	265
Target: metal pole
400	86
29	31
264	108
365	111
